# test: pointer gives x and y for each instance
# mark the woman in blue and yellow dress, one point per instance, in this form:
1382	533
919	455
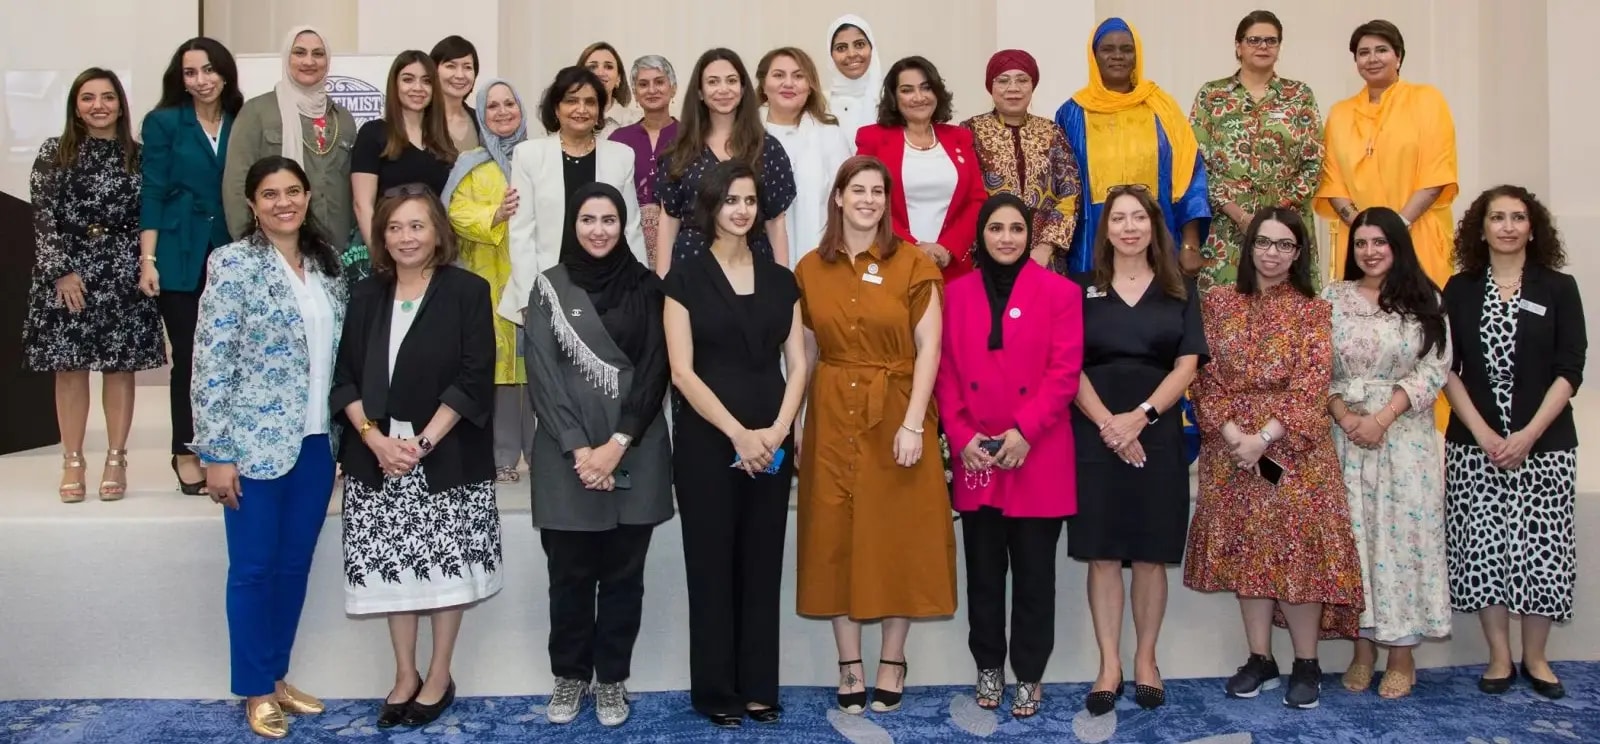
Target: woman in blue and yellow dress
1126	130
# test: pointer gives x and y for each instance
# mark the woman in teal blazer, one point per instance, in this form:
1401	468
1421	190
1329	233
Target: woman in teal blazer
180	214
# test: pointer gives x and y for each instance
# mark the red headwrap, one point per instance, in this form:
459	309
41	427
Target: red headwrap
1010	59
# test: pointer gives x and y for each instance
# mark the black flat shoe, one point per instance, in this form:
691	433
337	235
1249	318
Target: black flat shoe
1546	689
765	715
393	714
418	714
1496	685
1101	702
1149	697
725	720
188	489
854	703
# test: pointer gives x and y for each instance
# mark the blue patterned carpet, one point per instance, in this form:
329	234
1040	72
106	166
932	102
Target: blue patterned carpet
1446	707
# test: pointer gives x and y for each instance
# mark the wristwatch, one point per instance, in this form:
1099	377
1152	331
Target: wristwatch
622	440
425	444
1150	414
1265	437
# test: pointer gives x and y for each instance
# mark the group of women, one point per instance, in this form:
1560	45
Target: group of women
1039	303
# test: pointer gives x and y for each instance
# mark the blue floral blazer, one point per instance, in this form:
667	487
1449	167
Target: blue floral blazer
252	370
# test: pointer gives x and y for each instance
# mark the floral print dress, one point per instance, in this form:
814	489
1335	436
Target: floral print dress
86	222
1258	154
1272	358
1396	491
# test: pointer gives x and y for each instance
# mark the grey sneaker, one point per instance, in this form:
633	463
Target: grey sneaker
566	701
611	703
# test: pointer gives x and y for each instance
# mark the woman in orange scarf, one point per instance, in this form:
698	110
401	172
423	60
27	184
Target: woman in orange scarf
1391	145
1126	130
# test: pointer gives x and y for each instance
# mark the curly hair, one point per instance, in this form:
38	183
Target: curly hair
1544	242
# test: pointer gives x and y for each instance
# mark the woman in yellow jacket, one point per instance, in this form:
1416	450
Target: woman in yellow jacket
480	201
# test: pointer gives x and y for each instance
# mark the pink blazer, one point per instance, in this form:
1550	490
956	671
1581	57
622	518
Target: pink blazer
888	144
1030	383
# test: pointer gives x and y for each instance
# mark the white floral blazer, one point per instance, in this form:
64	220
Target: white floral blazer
251	365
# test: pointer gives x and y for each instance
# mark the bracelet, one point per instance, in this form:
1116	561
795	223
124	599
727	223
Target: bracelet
150	259
366	426
918	432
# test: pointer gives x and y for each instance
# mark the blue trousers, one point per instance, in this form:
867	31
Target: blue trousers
271	537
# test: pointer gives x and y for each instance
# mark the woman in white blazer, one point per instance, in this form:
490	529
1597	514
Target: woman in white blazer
546	172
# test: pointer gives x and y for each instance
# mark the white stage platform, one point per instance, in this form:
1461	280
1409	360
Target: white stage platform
125	599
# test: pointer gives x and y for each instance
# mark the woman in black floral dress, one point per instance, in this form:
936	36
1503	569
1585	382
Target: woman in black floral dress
85	310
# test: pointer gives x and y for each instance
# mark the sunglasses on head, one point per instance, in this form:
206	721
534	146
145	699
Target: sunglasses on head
1128	188
407	189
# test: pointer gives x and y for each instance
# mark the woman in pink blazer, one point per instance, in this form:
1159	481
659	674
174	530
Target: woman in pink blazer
1013	351
938	184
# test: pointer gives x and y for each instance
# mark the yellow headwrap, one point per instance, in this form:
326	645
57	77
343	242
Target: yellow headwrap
1097	98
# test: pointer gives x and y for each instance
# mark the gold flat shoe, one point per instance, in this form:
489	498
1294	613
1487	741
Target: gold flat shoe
1358	677
298	702
267	719
1396	685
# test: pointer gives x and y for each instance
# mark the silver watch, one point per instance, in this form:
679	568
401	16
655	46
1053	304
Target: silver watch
622	440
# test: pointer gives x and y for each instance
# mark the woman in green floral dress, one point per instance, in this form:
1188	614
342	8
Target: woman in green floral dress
1261	138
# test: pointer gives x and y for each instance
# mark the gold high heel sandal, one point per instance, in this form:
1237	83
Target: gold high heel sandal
114	490
72	493
266	719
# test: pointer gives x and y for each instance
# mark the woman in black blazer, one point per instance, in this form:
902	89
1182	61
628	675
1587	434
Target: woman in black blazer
414	383
1511	462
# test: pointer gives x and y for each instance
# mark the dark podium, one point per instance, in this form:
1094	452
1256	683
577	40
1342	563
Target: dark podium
27	399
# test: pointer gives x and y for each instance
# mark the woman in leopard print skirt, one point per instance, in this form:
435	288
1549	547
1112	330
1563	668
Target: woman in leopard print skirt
1511	447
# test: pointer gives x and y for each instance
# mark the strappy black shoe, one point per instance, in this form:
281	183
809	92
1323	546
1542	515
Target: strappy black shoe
888	701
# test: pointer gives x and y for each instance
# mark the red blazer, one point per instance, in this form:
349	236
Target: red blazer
888	144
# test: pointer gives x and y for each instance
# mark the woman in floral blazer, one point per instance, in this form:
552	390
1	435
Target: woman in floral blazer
269	323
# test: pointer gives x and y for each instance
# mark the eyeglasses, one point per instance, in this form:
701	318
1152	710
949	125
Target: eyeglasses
1127	188
407	189
1007	81
1261	41
1264	244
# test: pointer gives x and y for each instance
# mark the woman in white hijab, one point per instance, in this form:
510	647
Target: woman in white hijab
299	121
858	75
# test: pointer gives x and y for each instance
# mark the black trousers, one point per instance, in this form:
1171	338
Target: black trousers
596	600
991	541
733	534
179	313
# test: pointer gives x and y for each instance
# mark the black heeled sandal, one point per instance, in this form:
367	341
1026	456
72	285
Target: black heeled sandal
188	489
1101	702
391	714
888	701
854	703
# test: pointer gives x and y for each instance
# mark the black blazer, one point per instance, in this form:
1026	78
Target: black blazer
447	357
1549	345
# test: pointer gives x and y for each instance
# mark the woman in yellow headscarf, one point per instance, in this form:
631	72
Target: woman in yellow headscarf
1127	130
1391	145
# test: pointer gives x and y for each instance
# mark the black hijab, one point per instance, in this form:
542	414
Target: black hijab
617	283
999	279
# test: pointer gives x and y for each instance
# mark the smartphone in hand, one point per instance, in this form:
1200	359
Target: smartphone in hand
1270	469
991	446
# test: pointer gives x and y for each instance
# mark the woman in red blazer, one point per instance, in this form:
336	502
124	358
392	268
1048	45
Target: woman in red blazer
1012	356
938	185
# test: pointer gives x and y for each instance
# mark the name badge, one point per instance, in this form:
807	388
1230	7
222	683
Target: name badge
1095	293
875	279
1533	307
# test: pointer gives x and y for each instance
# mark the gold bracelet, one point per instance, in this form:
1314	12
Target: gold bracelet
917	432
150	259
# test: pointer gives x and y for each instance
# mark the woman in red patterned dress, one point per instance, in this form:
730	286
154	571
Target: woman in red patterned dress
1272	523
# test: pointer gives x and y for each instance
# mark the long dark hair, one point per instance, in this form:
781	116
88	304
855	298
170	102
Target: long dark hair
1299	271
175	93
714	189
1406	289
313	239
435	131
75	132
1544	240
1161	254
694	121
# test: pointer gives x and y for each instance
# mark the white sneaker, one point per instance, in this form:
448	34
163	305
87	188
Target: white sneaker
611	703
566	701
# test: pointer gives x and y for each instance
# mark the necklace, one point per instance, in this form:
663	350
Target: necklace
321	132
916	146
584	149
407	306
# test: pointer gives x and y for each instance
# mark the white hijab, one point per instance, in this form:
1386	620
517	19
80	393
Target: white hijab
854	102
296	100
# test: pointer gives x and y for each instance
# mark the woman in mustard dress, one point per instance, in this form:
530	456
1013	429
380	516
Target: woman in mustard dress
480	202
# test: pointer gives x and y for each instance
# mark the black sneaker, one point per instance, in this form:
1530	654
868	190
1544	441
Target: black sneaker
1258	673
1305	684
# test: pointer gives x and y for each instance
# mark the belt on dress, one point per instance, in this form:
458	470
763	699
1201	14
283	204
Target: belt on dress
98	229
1355	389
877	384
